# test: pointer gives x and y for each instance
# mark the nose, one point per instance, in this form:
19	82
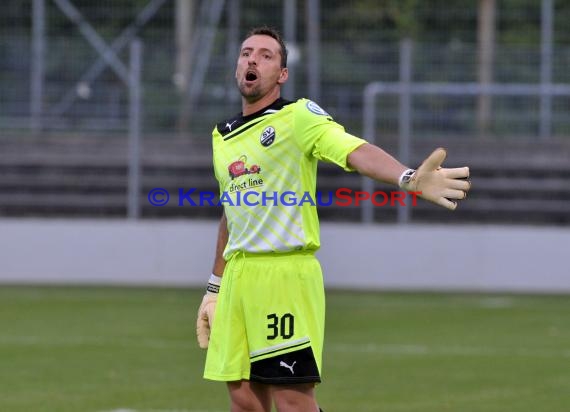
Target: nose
252	59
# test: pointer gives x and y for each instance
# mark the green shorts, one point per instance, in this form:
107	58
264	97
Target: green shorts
269	321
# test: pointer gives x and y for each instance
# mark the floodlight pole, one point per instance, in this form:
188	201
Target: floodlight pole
134	185
38	65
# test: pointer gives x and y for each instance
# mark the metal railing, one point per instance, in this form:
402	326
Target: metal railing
406	90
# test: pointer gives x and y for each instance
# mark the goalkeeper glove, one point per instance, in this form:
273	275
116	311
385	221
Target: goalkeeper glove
438	185
207	311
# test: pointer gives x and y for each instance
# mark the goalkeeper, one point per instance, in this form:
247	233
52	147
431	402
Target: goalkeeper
263	315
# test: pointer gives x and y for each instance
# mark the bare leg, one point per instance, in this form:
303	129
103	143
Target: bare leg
249	396
295	398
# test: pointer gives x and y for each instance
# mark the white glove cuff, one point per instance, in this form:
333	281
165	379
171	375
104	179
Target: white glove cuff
406	176
214	284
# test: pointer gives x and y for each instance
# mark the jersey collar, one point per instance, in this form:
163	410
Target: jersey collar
239	120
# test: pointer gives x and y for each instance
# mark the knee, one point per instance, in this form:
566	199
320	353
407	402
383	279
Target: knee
245	403
244	398
287	404
295	398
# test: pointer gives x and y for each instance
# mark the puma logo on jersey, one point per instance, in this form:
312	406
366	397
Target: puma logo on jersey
229	125
288	367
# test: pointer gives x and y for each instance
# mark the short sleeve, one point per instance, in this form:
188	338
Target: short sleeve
318	135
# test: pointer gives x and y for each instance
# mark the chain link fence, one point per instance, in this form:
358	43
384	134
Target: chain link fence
359	43
71	128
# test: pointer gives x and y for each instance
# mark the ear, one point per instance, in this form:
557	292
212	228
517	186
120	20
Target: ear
283	76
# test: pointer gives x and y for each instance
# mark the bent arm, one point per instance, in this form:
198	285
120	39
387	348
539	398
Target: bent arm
370	160
219	262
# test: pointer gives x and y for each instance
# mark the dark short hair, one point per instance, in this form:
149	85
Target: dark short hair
271	32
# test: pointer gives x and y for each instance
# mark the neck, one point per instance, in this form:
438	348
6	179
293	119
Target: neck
249	107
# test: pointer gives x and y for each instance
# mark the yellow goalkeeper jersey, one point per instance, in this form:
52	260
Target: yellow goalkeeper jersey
266	166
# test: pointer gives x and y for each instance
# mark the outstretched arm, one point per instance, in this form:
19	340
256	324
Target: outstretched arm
434	183
370	160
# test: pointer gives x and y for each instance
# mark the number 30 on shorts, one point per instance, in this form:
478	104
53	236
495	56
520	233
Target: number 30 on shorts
283	326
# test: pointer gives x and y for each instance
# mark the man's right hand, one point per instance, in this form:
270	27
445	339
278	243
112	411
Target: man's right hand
207	311
205	320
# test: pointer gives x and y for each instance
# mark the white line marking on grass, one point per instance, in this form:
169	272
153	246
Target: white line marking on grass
497	302
451	301
434	350
492	394
386	348
30	340
161	410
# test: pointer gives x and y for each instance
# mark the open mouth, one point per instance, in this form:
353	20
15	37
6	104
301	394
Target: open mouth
251	76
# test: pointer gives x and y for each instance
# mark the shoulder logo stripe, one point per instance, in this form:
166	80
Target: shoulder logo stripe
242	129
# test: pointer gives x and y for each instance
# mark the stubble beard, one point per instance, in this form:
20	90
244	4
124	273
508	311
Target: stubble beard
250	94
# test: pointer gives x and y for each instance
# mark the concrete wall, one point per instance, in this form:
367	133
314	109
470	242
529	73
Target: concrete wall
415	257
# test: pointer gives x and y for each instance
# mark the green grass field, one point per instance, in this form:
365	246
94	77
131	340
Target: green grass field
126	349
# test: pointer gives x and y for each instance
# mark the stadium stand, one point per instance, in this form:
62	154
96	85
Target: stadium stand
514	181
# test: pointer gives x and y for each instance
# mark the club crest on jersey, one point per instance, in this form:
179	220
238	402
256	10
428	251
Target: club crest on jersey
316	109
267	136
239	168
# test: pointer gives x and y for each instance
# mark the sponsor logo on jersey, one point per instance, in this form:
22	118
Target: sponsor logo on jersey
240	168
267	136
316	109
